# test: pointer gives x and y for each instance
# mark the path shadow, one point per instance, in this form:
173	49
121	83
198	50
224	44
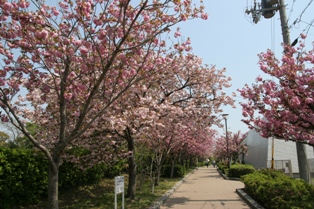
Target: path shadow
176	201
182	200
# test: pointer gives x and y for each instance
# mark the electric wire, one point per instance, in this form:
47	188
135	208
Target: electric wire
308	26
291	10
300	16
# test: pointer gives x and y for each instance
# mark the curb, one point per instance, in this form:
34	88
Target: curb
162	199
248	199
226	177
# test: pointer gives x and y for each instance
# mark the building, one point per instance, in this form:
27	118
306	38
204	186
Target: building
259	153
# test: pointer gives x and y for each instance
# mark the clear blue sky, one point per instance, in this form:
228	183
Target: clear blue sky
230	39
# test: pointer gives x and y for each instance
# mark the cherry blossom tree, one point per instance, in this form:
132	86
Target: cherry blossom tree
283	106
198	143
235	146
64	66
220	148
284	103
188	92
181	138
187	102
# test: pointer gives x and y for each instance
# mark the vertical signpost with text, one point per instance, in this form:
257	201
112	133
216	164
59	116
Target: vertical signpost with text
118	188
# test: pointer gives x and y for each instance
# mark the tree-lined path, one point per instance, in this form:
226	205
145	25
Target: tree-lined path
206	189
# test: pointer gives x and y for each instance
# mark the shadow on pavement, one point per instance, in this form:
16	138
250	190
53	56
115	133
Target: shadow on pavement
182	201
177	200
207	176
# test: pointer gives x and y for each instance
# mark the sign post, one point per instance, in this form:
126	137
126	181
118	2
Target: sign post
119	188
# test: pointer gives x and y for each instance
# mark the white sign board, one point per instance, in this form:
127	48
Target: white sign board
119	184
118	188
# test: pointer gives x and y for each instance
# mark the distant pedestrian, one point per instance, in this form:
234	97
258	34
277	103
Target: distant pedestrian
214	163
207	162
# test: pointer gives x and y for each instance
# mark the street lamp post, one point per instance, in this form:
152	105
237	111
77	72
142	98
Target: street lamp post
225	117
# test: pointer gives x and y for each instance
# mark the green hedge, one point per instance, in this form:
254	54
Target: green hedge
178	171
24	177
115	169
238	170
72	176
201	164
223	167
275	190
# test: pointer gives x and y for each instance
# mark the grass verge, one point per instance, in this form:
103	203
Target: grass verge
101	195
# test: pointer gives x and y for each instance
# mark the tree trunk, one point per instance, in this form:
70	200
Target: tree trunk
235	158
191	162
157	174
172	169
132	165
159	162
186	164
151	175
132	178
53	175
302	161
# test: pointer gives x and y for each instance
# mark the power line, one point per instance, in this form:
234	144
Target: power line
291	10
309	26
300	16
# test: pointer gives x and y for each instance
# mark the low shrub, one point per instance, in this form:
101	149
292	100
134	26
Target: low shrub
23	177
116	169
223	167
238	170
201	164
275	190
72	176
178	171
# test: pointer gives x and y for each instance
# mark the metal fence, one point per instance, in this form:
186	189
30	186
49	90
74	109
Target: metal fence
283	165
286	167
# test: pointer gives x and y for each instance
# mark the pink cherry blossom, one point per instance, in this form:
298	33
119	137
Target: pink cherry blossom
184	17
23	4
108	72
84	50
7	6
204	16
309	100
285	102
295	101
177	34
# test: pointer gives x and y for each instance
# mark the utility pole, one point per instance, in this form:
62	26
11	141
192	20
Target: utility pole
284	22
268	9
301	147
272	153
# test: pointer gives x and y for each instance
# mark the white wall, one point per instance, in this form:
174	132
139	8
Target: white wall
257	150
286	150
260	151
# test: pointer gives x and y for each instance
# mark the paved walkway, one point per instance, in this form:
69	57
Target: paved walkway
206	189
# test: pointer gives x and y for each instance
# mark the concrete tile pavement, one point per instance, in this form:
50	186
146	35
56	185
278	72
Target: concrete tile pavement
206	189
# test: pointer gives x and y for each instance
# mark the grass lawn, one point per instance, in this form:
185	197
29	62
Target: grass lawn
101	196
